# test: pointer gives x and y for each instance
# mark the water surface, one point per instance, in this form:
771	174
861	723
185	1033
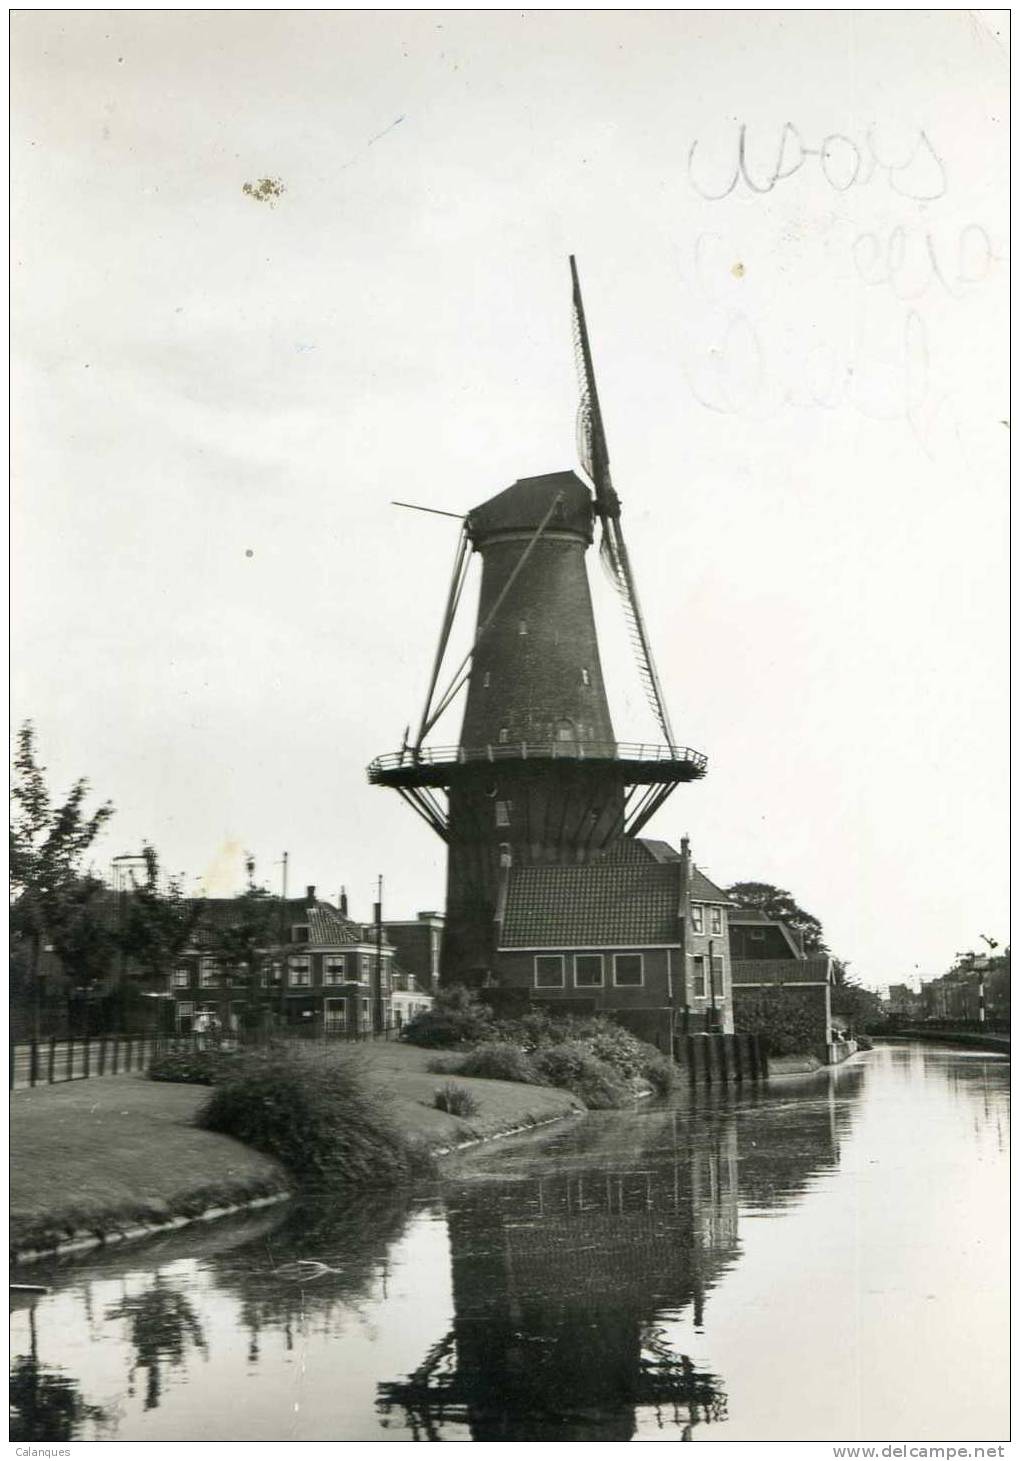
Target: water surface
824	1259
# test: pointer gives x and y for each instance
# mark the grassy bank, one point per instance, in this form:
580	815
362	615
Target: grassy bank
107	1156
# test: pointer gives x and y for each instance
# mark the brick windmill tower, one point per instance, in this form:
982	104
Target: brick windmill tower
538	776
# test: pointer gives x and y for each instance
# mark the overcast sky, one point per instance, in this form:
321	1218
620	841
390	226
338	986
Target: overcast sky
219	618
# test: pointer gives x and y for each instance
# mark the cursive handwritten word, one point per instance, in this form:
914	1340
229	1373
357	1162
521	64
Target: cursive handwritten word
910	262
736	377
842	162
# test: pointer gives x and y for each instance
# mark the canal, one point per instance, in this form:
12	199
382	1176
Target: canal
824	1259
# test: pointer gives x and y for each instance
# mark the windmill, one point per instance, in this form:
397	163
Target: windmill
538	776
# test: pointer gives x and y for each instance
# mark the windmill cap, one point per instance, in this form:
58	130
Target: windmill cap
523	507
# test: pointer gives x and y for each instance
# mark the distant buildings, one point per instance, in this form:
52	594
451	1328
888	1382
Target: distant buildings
326	973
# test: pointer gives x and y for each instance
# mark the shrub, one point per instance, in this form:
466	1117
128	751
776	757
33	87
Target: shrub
444	1064
457	1100
571	1066
456	1018
193	1067
311	1110
498	1060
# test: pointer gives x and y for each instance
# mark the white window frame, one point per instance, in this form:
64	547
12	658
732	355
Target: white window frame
335	1019
333	976
364	968
715	921
182	977
600	983
548	958
208	974
697	918
628	983
298	966
503	810
701	959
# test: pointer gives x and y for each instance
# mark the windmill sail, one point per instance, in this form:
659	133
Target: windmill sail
594	455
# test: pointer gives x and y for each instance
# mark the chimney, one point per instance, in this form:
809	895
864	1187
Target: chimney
311	892
343	901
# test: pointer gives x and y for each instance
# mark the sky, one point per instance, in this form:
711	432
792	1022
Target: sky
791	231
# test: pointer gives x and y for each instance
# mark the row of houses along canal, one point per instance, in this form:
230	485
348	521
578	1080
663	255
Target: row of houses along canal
735	1263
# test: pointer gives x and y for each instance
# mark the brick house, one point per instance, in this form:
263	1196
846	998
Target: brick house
769	965
319	977
638	932
418	945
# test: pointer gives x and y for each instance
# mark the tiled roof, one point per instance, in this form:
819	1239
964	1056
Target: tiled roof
327	926
703	890
630	851
598	903
816	970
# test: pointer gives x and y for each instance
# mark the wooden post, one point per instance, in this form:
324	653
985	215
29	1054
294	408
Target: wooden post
33	1061
116	1052
69	1067
102	1055
88	1058
51	1059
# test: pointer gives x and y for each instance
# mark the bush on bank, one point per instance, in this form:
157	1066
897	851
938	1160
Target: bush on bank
593	1057
311	1110
192	1067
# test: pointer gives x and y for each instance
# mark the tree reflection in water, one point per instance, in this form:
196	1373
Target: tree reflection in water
569	1267
46	1405
162	1325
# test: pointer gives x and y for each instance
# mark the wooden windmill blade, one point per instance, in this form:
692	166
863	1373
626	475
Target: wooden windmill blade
594	454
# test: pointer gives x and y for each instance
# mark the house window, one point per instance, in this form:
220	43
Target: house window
715	920
366	967
697	918
549	971
522	628
503	814
299	933
717	976
335	1016
208	973
505	855
299	973
504	735
628	969
182	978
366	1013
585	677
486	680
757	935
699	989
185	1015
565	730
333	969
588	971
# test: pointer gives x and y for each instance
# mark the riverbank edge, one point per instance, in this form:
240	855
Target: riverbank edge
124	1225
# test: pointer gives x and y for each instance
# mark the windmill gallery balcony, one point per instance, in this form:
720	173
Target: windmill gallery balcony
637	764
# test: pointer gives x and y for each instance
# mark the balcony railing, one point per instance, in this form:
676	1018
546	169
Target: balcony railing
572	750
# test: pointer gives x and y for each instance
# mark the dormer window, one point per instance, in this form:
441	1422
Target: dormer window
299	933
697	918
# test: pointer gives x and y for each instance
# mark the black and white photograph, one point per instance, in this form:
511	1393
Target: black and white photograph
509	728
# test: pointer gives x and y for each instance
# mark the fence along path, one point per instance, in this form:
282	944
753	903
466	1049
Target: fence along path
53	1061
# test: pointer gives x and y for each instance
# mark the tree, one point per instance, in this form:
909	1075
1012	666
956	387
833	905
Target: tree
240	944
160	922
778	903
47	845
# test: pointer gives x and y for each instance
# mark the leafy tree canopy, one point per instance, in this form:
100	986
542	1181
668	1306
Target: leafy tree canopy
160	919
48	842
778	903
